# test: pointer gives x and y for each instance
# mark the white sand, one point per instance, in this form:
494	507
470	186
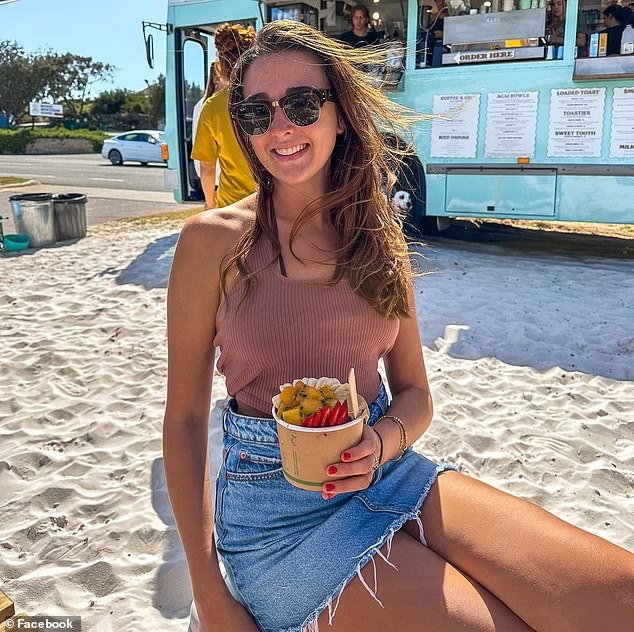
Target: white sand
531	360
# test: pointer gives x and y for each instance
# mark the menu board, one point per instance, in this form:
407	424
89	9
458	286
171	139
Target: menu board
622	133
576	121
511	125
455	133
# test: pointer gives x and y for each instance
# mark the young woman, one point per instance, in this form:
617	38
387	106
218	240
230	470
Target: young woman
308	277
214	140
558	27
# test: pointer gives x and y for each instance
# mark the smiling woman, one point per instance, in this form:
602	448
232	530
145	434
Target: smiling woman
306	278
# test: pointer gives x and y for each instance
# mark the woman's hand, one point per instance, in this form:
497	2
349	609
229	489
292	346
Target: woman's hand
231	616
357	466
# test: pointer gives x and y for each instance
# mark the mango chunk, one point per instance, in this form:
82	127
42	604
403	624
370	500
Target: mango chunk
292	416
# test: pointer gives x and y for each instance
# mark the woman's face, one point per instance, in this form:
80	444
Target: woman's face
609	20
293	155
559	9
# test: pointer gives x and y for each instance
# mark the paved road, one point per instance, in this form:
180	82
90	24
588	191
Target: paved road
113	192
83	170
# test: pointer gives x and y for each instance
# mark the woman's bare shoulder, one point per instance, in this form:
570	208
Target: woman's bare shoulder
216	232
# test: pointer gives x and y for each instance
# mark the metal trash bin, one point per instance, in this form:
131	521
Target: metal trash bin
33	217
69	210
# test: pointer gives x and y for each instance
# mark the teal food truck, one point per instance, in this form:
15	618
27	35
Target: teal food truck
536	120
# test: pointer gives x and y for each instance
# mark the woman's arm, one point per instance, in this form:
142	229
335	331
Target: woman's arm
208	181
407	377
192	302
411	403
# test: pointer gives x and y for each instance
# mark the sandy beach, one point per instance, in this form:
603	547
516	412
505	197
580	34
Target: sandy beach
530	358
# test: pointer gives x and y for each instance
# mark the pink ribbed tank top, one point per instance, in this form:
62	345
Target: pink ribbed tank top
289	328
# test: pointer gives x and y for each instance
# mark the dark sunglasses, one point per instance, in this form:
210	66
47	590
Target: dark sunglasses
301	108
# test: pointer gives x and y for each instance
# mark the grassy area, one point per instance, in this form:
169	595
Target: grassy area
174	219
622	231
169	220
5	180
161	218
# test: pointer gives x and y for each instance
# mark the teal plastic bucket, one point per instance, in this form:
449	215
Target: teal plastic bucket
14	243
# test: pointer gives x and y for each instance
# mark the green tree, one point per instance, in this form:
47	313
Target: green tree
62	78
155	94
70	78
120	109
23	78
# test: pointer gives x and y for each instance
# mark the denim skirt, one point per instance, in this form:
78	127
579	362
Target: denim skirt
287	553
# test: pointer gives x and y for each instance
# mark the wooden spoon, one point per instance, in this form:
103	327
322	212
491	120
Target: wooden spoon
354	400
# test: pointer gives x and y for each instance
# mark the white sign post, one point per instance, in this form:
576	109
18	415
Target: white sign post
46	109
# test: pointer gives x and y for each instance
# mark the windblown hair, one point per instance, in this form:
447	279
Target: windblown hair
231	40
214	82
373	255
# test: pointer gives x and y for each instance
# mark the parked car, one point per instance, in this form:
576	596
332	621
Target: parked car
139	146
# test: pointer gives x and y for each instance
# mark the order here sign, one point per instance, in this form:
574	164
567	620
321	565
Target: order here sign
46	109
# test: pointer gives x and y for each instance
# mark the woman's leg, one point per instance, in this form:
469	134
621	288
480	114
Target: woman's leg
551	574
425	594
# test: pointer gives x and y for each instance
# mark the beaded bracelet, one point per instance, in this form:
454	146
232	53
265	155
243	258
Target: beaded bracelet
403	444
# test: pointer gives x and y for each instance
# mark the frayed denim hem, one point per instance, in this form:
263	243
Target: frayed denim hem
311	623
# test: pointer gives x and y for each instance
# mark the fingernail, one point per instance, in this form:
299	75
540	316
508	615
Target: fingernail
329	487
328	496
346	456
332	470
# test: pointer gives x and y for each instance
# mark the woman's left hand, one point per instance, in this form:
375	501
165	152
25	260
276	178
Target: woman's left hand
356	466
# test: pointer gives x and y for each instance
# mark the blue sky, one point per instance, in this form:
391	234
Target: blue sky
109	31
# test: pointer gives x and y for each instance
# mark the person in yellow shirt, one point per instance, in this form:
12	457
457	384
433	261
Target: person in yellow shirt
215	140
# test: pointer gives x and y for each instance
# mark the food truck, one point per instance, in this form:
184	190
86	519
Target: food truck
532	118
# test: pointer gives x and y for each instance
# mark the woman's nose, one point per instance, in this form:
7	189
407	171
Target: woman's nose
280	122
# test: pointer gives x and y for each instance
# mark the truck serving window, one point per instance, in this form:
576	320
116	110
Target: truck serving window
609	52
460	32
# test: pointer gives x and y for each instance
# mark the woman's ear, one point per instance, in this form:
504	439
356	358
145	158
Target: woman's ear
341	125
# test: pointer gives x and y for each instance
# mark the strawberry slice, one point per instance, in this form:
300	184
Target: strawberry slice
327	414
308	422
342	416
316	420
345	417
335	414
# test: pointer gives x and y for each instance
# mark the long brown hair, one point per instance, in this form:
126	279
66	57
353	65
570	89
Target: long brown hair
231	40
373	255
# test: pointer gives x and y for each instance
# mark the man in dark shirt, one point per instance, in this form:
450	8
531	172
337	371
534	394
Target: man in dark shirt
360	35
615	18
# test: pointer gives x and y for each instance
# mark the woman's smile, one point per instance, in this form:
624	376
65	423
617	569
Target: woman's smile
292	151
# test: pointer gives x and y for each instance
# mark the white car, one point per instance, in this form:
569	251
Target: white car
139	146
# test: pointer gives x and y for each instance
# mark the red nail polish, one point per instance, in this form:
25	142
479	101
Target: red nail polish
329	487
346	456
332	470
328	496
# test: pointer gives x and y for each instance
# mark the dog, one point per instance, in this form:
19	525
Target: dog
401	201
